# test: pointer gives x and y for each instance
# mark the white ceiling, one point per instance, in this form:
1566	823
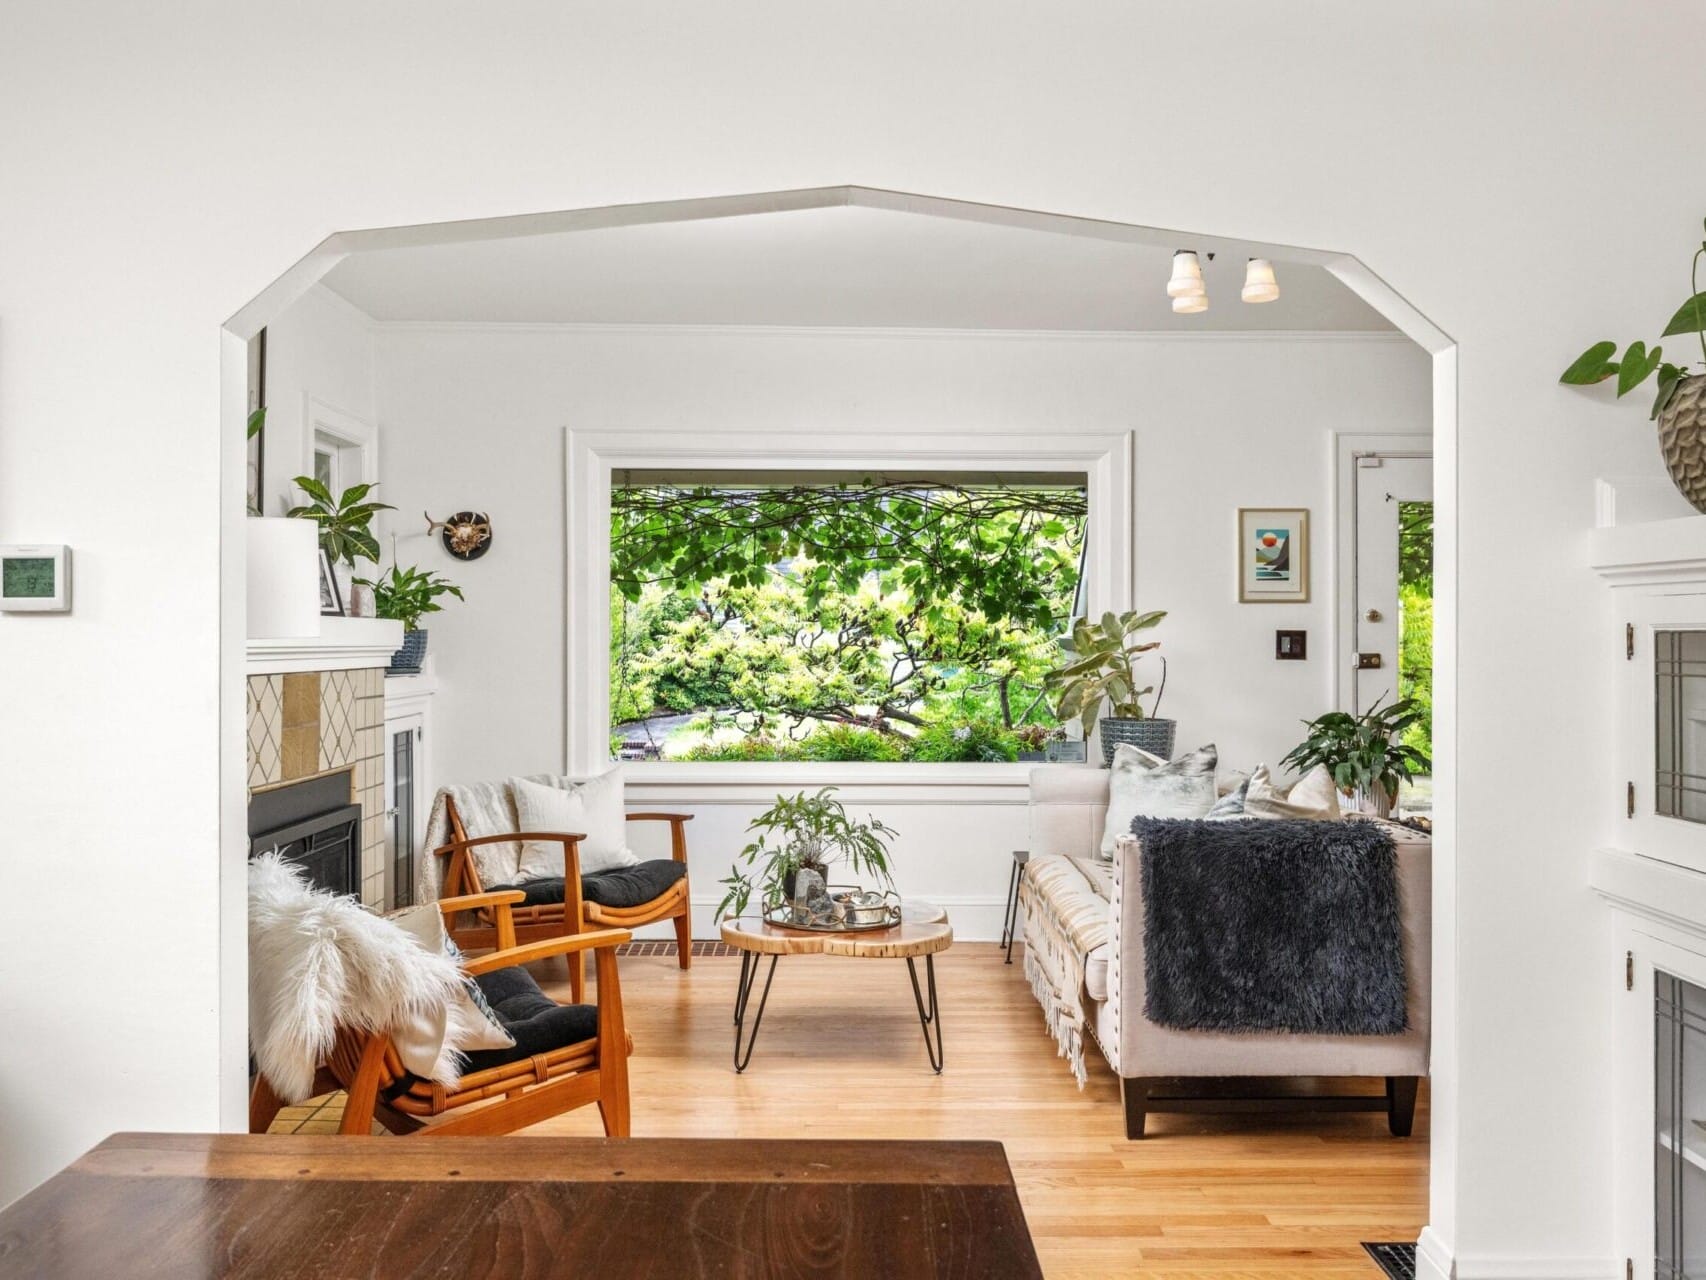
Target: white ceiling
840	266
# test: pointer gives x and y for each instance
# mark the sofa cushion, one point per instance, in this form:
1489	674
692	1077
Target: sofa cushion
1145	786
537	1022
621	887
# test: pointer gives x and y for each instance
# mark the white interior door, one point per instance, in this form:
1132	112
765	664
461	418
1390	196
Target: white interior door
1381	482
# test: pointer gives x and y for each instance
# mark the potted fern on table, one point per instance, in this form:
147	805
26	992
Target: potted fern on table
408	595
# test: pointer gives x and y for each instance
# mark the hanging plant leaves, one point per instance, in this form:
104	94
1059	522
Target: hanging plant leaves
1637	366
1593	365
1690	317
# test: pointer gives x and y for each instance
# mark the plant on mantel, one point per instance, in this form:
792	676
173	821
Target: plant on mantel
408	595
1679	408
346	521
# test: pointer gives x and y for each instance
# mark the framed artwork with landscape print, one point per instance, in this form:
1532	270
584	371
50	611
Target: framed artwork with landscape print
1273	555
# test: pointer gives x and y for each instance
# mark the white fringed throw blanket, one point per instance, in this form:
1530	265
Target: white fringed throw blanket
319	962
1064	919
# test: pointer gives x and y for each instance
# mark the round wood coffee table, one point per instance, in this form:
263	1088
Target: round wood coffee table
922	932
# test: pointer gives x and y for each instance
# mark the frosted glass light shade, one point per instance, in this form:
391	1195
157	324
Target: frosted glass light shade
1187	276
1259	282
1191	303
284	577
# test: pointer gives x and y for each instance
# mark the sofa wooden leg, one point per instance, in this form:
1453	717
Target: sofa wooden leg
1401	1104
1135	1095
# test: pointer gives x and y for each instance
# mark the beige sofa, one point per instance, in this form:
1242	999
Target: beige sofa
1068	804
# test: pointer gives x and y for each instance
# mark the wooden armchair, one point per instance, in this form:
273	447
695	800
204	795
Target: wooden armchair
527	1090
538	920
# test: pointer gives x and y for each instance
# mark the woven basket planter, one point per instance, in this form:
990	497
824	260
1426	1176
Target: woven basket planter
407	660
1682	439
1151	735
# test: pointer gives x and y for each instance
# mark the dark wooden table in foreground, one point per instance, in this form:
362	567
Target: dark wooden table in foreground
189	1206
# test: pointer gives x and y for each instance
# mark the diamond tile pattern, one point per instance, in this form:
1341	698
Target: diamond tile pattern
328	720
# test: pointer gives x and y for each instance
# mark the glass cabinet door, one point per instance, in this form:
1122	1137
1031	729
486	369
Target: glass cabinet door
1679	1148
402	797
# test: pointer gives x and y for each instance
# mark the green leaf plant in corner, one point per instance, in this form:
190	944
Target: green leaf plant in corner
346	522
1599	363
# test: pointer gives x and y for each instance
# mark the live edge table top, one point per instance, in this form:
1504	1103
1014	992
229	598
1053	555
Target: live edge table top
923	930
193	1206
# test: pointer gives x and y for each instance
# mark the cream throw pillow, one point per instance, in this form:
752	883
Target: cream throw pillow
427	1034
1312	796
1147	786
593	808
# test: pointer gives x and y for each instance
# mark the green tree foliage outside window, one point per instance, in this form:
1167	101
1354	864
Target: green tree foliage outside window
1416	617
848	621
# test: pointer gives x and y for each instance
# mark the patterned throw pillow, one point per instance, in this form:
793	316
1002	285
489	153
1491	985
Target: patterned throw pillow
1230	805
1146	786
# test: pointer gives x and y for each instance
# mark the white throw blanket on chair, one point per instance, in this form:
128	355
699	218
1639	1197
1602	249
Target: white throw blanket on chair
319	962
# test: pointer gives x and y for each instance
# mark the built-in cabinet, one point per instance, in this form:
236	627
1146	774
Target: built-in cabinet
1654	882
410	783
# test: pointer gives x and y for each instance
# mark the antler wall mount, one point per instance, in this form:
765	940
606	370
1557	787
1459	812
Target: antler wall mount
467	535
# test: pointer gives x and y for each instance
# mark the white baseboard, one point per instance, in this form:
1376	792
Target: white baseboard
1433	1259
1434	1262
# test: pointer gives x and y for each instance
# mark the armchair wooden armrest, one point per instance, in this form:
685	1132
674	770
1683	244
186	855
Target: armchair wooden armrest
475	901
677	830
531	952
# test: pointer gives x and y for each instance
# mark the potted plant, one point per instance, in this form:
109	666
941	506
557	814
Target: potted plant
408	595
1034	740
1679	408
346	526
1103	670
799	832
1364	753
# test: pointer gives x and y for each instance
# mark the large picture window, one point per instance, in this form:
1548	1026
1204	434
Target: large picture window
837	617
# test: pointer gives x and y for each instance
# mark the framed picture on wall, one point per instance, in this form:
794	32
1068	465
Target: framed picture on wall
331	603
1273	555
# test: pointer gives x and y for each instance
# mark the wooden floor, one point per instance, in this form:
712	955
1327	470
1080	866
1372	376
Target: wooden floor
840	1054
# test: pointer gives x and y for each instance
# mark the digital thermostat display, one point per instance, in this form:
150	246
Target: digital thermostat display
35	579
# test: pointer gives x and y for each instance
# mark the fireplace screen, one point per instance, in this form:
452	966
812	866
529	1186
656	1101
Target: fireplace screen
1679	1184
1679	785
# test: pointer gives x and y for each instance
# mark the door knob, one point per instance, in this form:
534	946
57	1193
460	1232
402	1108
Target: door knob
1373	615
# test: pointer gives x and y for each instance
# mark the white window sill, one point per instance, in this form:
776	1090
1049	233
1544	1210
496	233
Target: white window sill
741	783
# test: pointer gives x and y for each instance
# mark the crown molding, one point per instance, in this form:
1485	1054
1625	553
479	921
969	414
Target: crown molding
881	332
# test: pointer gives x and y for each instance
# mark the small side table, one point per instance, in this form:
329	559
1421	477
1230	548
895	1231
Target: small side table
1010	916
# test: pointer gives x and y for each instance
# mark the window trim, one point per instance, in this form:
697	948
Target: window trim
591	458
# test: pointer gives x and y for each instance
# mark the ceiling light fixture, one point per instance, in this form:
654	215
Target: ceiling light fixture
1191	303
1259	282
1187	278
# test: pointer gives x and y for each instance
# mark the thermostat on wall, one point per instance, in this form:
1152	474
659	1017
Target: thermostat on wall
35	579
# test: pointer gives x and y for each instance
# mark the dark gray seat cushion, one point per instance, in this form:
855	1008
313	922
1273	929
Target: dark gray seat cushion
538	1023
619	887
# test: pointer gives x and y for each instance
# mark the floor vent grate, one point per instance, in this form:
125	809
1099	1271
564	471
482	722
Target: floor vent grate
1398	1261
701	947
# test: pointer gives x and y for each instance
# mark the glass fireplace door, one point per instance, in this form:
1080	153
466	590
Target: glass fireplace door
1679	1149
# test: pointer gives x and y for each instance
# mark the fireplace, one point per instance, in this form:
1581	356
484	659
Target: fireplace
312	823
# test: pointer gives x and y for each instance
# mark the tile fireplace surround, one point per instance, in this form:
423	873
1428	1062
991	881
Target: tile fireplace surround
303	724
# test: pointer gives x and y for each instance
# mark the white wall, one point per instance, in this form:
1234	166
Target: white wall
1512	169
474	417
319	347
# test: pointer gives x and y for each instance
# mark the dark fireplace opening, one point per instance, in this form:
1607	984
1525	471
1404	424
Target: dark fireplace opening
312	823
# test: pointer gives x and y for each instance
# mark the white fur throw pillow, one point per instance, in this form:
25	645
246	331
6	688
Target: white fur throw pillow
1147	786
593	808
319	962
1311	796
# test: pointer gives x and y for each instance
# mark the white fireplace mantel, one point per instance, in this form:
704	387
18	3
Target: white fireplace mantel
344	644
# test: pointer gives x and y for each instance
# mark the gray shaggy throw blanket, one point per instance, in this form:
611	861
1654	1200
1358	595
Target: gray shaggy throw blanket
1262	925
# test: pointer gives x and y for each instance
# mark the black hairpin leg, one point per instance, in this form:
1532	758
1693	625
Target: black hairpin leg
929	1018
1010	921
748	976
